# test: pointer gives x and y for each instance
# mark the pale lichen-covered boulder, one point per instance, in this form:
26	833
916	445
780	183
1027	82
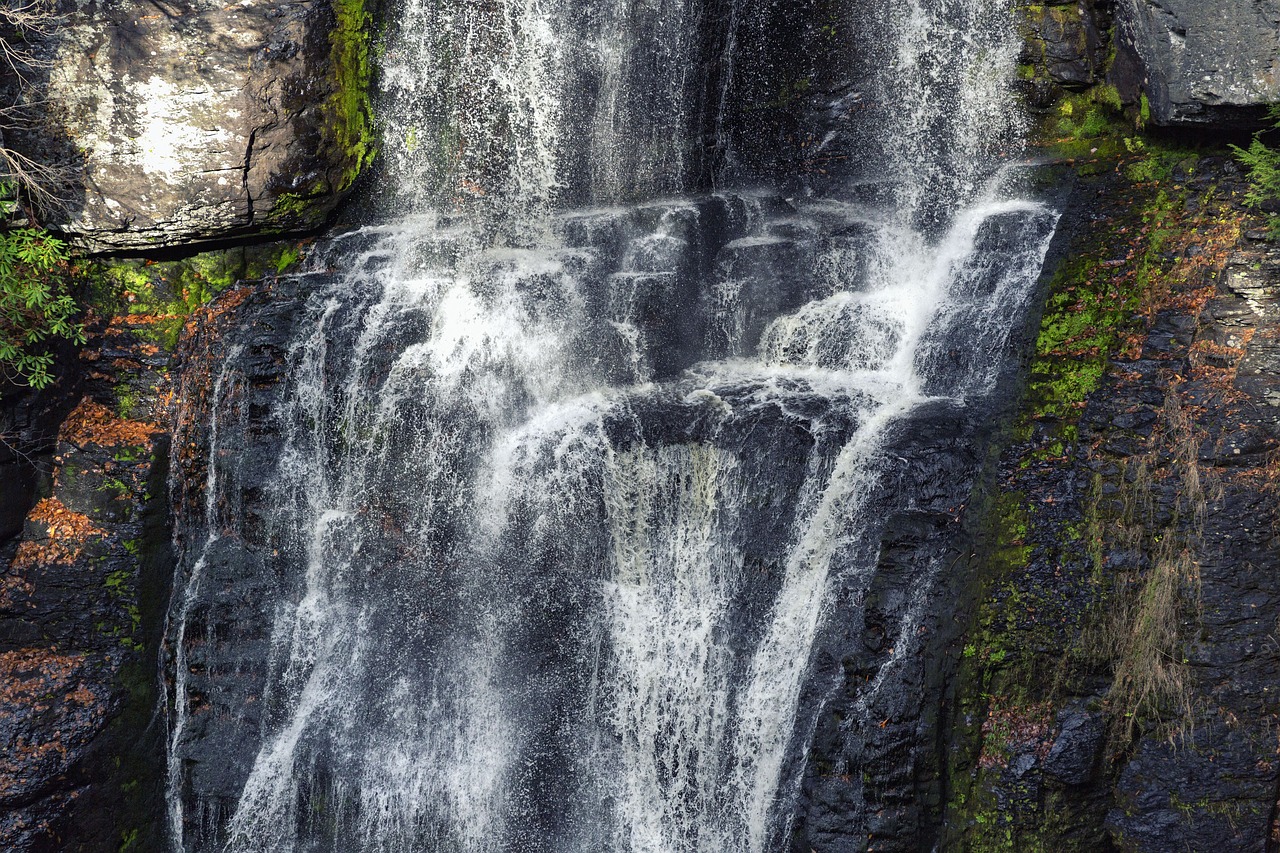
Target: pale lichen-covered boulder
190	120
1198	62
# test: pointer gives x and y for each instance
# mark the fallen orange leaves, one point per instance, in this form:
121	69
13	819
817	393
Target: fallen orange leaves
94	423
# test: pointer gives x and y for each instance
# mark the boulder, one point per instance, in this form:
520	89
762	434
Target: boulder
183	121
1200	63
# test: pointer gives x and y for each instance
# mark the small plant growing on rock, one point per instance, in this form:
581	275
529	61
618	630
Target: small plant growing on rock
34	305
1263	163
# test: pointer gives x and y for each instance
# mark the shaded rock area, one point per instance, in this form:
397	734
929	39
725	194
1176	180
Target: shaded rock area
88	569
1066	43
177	123
1117	691
227	635
81	600
1214	783
874	778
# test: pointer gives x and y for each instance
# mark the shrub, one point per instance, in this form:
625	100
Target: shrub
34	305
1263	163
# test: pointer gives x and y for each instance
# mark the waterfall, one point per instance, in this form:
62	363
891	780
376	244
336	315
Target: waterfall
565	454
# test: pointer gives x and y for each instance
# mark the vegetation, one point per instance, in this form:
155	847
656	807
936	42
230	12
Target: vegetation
34	305
348	136
25	182
349	108
1140	624
1263	163
159	296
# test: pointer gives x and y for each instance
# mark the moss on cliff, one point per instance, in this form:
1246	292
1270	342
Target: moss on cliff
1087	549
348	142
349	128
159	296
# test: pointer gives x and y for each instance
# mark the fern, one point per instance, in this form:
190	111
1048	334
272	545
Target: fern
1263	163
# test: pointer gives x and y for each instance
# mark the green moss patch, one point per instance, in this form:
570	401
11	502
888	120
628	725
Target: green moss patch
158	296
349	126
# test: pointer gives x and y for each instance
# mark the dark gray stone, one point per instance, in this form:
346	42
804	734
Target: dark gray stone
1200	63
1065	44
1076	749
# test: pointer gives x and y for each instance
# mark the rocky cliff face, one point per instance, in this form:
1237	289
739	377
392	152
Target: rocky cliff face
80	603
1107	681
1202	63
194	121
1116	687
1181	62
1115	691
88	564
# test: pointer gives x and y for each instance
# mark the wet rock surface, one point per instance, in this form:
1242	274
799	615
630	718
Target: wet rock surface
1118	690
873	777
81	597
1066	43
228	633
1215	786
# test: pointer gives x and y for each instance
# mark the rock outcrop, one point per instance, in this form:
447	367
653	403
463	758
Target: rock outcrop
1200	63
1066	43
191	121
1116	690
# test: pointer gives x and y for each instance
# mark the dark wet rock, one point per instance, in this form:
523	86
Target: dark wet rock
1077	749
1212	792
1066	43
1186	432
227	633
82	596
873	777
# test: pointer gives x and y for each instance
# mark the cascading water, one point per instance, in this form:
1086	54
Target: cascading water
565	465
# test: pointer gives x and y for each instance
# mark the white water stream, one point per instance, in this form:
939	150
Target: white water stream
561	494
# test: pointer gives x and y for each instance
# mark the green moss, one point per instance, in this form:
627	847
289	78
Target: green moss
1109	96
122	590
1088	124
288	258
1097	296
294	206
129	840
128	454
349	110
166	293
126	400
348	138
1002	705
